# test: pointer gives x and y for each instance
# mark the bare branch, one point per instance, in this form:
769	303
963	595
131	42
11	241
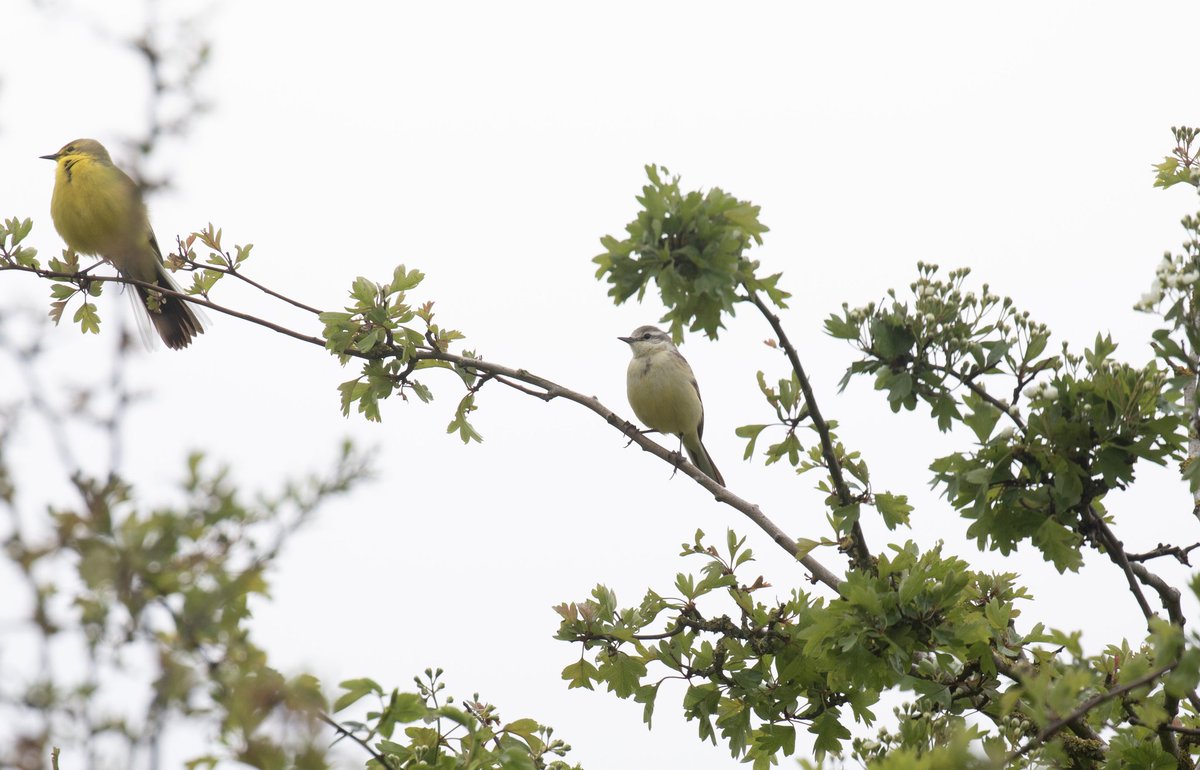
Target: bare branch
1180	554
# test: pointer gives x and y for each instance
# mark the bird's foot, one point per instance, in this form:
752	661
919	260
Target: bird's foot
630	427
676	460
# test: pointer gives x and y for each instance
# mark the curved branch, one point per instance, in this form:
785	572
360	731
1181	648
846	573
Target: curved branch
862	554
511	377
551	390
1116	552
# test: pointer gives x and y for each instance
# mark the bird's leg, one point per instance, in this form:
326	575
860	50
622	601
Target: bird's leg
630	426
677	458
90	267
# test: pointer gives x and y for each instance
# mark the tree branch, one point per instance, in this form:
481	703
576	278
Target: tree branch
1077	726
978	390
510	377
1116	552
194	299
861	553
551	390
191	265
1180	554
1050	730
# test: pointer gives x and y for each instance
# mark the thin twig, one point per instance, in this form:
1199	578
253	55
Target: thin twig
194	265
1180	554
979	391
526	391
194	299
378	757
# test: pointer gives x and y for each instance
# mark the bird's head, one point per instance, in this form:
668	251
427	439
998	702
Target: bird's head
647	340
79	149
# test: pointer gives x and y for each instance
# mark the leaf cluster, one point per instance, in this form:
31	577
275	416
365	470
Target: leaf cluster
162	597
925	623
425	730
1083	427
378	329
693	247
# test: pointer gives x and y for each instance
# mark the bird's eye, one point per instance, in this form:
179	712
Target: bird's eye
70	148
646	336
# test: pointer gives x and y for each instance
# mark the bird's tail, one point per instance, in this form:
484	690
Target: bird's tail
700	458
173	319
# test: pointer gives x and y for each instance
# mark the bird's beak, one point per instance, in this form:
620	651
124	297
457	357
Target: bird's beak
627	340
49	157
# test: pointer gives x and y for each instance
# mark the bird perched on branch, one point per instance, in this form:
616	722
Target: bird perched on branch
98	210
664	395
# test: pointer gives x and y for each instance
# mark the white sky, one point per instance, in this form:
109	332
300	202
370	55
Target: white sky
491	145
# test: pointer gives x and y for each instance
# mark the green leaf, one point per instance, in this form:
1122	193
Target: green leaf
893	508
580	674
407	707
982	418
830	733
804	546
774	739
647	694
1059	545
749	432
465	430
87	318
623	672
1186	676
405	280
355	689
523	727
840	327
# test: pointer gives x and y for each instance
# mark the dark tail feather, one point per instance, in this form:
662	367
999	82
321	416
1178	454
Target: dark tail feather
701	460
173	320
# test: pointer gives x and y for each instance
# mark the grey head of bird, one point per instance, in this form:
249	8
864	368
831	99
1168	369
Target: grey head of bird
647	340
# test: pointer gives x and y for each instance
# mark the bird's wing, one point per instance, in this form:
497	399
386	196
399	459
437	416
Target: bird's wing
696	386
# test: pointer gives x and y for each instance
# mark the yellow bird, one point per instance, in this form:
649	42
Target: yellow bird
664	395
98	210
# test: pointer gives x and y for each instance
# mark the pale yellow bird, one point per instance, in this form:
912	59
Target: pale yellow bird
664	395
98	210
